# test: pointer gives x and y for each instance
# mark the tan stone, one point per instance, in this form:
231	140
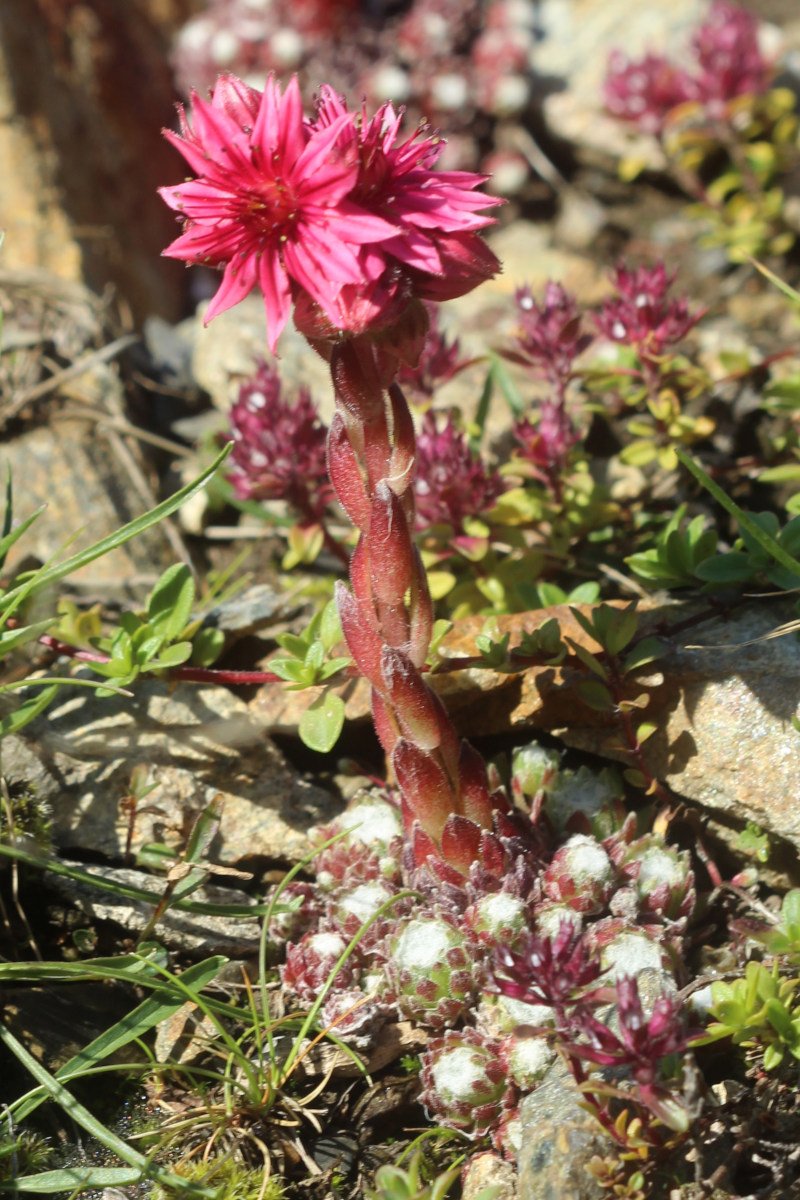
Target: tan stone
84	92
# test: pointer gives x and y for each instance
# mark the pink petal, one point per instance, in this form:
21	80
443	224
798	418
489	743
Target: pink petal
194	154
215	131
416	250
266	128
200	201
329	106
277	296
356	224
292	131
325	171
200	244
237	99
237	282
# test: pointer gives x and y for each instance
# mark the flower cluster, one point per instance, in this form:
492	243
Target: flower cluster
446	61
452	484
642	315
564	973
728	62
334	214
278	446
550	336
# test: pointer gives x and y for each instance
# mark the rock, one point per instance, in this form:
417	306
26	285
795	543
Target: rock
488	1171
70	458
198	743
725	738
723	714
570	59
191	933
558	1139
84	92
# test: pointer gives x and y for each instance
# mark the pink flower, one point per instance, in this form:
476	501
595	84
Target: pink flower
728	63
435	213
451	483
728	55
641	315
272	200
278	446
547	442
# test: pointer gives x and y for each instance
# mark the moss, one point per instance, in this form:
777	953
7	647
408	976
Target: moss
231	1179
23	814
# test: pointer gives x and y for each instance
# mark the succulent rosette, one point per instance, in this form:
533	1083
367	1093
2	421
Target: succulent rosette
433	969
311	962
465	1084
581	875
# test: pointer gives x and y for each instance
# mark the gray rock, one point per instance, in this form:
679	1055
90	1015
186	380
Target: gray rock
198	743
194	934
71	459
724	713
558	1139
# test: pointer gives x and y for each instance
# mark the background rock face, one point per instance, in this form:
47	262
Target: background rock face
84	88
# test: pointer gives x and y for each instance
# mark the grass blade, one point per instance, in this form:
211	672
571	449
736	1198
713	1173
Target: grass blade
157	1007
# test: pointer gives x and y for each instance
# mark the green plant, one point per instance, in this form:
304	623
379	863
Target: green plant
679	549
410	1183
230	1179
308	661
132	648
758	1012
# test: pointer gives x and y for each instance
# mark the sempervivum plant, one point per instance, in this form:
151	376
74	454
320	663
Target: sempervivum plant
663	878
465	1084
278	446
581	875
368	844
310	962
452	483
434	971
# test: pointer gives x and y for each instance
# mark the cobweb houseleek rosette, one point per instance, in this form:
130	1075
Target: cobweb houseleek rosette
341	221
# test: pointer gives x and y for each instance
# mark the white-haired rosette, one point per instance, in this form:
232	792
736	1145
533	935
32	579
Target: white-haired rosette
464	1082
433	969
581	875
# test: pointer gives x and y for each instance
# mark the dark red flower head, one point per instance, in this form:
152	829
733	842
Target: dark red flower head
451	484
642	315
278	446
